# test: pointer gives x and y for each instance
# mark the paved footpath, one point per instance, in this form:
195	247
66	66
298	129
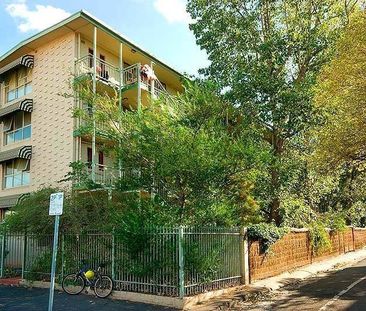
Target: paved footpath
36	299
334	291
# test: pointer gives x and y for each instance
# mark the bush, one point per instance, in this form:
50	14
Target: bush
267	234
319	238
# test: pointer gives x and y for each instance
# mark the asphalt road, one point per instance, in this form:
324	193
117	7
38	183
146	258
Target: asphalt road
36	299
334	291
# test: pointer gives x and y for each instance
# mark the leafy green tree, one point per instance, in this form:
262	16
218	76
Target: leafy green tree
265	55
193	150
341	96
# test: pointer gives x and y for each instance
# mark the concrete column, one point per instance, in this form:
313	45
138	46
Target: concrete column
152	81
94	93
244	256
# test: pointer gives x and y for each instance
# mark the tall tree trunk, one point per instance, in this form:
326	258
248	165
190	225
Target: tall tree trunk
274	206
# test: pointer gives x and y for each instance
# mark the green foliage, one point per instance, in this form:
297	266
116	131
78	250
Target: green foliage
205	264
265	56
319	238
82	211
295	213
336	221
340	97
194	147
41	266
356	214
267	234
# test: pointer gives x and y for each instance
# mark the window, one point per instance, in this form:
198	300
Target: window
18	84
18	127
16	173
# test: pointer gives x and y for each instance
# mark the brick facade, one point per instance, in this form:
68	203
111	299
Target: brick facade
294	251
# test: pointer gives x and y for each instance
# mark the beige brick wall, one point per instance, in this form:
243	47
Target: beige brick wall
52	122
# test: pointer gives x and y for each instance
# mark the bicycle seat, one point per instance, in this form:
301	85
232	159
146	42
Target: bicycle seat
102	265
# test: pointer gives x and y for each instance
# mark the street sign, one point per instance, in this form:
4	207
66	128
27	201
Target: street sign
56	209
56	203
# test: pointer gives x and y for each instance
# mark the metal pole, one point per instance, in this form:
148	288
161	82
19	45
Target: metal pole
113	256
54	258
138	87
121	83
152	82
2	259
24	255
62	256
181	261
93	108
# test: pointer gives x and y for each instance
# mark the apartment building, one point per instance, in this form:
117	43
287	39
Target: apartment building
39	137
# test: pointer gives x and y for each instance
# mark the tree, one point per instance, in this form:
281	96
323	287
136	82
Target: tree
341	97
193	150
265	56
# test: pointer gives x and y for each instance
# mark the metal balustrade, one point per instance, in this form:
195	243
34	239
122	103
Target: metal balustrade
110	74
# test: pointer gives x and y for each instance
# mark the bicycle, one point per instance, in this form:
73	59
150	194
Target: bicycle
74	283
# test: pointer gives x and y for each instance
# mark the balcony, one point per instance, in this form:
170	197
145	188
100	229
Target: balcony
107	176
105	72
109	74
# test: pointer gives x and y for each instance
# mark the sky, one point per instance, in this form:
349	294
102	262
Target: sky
158	26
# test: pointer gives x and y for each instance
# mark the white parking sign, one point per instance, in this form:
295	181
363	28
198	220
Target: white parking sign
56	203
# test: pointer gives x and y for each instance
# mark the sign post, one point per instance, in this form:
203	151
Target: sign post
56	208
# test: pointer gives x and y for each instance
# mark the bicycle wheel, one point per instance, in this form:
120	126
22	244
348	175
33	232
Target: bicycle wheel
103	286
73	284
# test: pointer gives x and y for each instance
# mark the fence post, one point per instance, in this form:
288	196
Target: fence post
353	238
2	259
244	256
181	261
113	256
24	254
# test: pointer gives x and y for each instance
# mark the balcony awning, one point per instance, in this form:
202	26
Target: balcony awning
25	104
24	152
25	60
12	200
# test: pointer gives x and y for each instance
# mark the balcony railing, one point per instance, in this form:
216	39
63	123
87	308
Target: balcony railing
110	74
104	175
18	92
105	72
107	176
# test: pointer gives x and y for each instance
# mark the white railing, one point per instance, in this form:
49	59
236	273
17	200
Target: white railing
109	73
105	72
104	175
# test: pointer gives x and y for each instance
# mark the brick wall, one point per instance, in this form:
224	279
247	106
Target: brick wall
360	237
294	250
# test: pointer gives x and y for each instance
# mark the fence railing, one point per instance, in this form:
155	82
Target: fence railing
163	261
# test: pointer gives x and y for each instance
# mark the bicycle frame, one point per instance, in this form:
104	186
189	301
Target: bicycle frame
82	272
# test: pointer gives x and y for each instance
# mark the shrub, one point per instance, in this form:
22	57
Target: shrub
267	234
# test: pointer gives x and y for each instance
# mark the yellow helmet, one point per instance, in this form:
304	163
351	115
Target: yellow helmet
89	274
